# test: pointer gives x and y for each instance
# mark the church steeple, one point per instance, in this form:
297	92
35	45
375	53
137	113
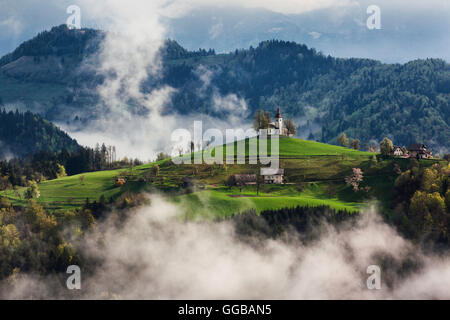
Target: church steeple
279	121
278	114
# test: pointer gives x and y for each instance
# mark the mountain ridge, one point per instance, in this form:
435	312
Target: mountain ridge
365	98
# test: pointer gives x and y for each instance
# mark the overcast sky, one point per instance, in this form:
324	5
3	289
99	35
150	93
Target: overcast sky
425	24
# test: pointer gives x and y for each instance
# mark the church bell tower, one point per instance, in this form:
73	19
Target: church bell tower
279	120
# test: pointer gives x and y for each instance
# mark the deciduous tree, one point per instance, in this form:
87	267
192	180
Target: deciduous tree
343	140
32	191
260	121
355	144
386	147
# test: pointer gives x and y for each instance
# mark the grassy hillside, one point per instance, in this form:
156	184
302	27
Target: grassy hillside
310	167
295	148
225	202
12	90
314	171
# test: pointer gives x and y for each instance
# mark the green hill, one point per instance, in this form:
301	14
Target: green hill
309	167
314	171
294	148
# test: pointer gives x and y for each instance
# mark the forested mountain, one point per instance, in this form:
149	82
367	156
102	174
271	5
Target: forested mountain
324	95
57	42
26	133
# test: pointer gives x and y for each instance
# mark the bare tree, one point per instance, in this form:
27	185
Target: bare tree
260	121
290	126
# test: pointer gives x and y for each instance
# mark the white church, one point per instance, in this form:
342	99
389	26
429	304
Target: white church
276	127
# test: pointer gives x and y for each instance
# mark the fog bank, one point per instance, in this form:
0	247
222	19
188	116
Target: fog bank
154	254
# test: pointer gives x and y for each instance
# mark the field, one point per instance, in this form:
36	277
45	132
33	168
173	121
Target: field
225	202
297	148
314	171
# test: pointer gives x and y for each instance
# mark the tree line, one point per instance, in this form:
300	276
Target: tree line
46	165
26	133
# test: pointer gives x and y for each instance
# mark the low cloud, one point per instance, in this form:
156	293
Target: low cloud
230	103
5	152
133	119
13	24
315	35
157	255
283	6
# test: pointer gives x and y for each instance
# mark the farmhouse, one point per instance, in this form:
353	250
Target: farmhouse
419	151
244	179
398	151
276	127
273	176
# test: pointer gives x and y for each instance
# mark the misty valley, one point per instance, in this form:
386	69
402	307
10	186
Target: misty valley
265	165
